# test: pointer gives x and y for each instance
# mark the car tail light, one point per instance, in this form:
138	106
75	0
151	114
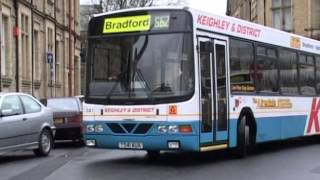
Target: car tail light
75	119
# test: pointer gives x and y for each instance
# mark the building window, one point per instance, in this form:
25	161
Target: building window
282	18
59	59
5	46
50	40
36	50
25	54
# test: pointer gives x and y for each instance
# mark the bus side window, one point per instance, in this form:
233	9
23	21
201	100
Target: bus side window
241	64
318	74
288	72
266	75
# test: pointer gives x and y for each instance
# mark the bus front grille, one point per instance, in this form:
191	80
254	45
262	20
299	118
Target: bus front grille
129	128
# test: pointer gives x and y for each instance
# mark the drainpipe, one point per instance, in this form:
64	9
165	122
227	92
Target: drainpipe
70	50
32	47
74	46
264	13
16	34
250	13
55	49
1	41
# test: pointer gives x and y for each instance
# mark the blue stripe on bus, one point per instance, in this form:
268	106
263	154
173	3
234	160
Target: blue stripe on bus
187	142
268	129
273	128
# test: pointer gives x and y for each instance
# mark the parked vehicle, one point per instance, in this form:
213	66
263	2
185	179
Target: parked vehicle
25	124
67	115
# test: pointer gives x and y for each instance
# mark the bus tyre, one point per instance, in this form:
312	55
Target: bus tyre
243	138
153	154
45	144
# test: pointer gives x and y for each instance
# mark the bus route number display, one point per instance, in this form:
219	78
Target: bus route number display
162	22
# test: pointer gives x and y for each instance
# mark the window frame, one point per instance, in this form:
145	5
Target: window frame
276	60
24	107
307	55
19	100
282	8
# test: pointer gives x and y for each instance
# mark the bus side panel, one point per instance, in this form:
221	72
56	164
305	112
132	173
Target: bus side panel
277	128
277	118
233	132
273	128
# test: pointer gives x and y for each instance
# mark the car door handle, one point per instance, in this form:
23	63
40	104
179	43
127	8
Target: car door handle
24	119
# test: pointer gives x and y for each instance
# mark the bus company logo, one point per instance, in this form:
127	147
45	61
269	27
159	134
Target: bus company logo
313	123
127	24
295	42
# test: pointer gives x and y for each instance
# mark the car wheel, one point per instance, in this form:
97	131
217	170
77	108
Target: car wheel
45	144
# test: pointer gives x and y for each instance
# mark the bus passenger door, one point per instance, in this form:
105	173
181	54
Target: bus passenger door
214	104
206	54
221	89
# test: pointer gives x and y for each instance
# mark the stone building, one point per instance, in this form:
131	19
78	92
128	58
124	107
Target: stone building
297	16
40	47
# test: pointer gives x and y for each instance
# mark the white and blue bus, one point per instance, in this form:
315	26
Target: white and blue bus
185	80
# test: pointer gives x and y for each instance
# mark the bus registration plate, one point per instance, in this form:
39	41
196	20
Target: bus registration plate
130	145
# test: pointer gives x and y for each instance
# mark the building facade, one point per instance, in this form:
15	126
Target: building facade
297	16
40	47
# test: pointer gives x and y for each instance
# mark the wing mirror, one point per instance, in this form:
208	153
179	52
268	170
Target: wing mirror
7	112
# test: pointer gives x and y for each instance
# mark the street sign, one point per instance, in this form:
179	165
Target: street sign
49	58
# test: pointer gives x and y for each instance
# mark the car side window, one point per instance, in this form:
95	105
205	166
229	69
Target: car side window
12	103
30	105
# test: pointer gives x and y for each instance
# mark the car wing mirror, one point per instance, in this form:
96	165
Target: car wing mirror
7	112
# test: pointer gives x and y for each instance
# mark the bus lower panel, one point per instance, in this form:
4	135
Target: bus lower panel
187	142
273	128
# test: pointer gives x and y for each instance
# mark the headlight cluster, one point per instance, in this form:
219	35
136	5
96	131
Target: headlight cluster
172	129
98	128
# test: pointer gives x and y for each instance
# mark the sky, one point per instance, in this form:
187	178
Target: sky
214	6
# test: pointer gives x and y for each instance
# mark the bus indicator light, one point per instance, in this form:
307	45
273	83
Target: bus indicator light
185	129
173	110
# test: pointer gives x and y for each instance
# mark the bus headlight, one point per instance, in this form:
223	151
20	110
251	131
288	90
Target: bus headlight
98	128
90	128
173	129
162	129
91	142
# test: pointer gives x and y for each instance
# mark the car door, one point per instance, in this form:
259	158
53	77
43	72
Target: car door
33	118
12	128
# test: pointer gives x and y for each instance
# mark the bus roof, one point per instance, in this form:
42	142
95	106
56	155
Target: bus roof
142	8
231	26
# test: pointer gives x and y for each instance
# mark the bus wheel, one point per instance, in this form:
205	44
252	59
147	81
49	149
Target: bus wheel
153	154
243	138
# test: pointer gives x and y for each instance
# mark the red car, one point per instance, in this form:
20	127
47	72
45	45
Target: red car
67	116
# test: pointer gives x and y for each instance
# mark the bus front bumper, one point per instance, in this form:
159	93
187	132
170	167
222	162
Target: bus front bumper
157	142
